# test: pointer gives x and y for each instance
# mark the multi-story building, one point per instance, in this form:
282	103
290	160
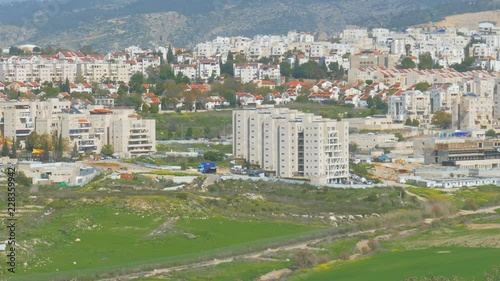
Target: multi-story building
373	58
292	144
465	152
442	97
472	111
207	68
124	130
119	71
18	121
247	72
188	70
410	104
88	130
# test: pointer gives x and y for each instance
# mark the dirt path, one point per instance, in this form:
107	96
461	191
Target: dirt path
483	226
255	255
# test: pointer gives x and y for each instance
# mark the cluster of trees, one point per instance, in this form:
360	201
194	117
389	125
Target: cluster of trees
441	119
412	122
425	61
378	104
10	151
309	70
53	146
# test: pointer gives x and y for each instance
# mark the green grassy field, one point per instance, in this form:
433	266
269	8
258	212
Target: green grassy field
203	124
113	237
239	270
329	110
467	263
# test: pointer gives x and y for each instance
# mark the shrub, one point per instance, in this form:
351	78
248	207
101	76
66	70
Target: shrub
305	258
345	256
373	244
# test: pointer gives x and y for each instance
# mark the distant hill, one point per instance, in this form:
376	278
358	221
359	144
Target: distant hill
469	20
113	24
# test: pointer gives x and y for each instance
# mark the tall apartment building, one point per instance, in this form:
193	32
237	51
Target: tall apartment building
292	144
247	72
89	130
410	104
102	71
18	121
472	111
127	132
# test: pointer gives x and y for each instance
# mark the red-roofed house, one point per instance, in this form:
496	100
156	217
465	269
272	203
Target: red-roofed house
85	88
202	88
320	97
352	99
363	100
265	83
112	89
33	86
63	95
18	86
215	102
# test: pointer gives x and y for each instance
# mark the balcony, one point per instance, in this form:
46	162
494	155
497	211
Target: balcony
23	133
148	144
86	144
139	133
77	132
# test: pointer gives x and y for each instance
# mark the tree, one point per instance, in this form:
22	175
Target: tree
228	67
59	148
425	61
64	87
15	51
189	133
145	108
285	69
86	49
408	63
170	55
407	49
5	148
48	50
491	133
305	258
15	146
136	82
353	147
422	86
107	150
74	152
206	132
441	119
155	108
408	122
310	70
46	151
32	141
415	123
399	136
213	155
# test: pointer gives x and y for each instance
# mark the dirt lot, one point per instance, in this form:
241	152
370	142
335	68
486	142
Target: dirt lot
469	20
391	171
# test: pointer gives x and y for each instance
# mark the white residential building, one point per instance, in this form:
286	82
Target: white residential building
410	104
247	72
207	68
292	144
